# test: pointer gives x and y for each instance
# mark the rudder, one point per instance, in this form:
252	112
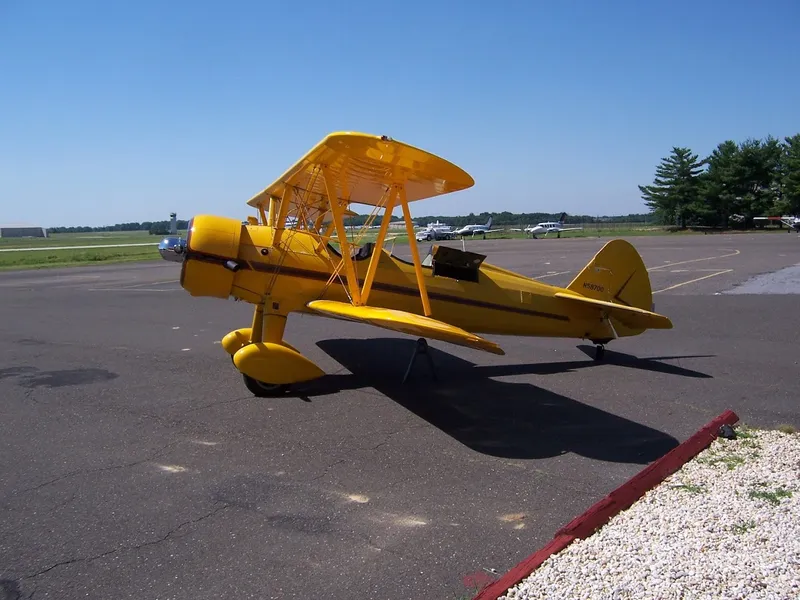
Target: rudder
616	274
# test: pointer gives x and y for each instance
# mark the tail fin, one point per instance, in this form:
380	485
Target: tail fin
617	275
562	218
489	222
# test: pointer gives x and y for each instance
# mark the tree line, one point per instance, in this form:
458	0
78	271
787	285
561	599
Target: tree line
499	219
729	187
153	227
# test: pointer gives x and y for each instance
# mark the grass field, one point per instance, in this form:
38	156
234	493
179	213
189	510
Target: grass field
13	256
42	259
82	239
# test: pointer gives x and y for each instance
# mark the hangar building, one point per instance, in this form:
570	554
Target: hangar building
19	231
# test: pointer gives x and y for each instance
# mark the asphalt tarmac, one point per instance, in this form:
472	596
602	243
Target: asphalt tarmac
137	465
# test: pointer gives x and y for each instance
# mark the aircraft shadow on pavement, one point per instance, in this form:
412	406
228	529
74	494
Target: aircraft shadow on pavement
509	420
647	364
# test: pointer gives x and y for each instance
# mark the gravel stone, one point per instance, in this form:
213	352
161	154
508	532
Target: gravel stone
726	525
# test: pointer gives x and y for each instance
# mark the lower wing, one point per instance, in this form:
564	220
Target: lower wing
404	322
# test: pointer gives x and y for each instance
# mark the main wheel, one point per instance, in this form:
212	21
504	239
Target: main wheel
261	389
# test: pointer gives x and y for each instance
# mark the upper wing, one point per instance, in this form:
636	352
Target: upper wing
364	167
404	322
635	318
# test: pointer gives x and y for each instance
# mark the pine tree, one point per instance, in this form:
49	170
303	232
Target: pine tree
790	181
675	193
719	183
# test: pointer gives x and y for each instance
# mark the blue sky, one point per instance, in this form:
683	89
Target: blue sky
125	111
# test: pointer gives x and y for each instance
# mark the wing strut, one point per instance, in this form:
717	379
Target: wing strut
337	210
280	220
412	242
326	235
376	252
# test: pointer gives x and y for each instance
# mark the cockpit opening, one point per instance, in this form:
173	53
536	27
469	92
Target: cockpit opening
456	264
357	253
363	252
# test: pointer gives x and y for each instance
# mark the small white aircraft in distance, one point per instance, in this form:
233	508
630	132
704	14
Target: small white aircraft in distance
792	223
550	227
479	229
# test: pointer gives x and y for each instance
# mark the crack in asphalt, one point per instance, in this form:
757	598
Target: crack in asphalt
28	395
218	403
127	548
399	431
100	469
364	537
352	451
326	469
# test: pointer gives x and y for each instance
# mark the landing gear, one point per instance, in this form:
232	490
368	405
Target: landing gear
264	390
267	328
421	347
599	352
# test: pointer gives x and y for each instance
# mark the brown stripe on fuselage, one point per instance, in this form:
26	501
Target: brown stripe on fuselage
384	287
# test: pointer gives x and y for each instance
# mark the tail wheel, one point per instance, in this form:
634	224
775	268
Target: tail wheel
261	389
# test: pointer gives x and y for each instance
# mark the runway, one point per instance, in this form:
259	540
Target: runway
136	464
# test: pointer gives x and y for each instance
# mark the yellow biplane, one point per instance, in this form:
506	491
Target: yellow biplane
450	295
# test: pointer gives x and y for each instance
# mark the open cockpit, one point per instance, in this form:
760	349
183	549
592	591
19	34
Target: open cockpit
449	262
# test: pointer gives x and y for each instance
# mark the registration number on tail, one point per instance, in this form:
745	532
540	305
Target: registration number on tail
595	287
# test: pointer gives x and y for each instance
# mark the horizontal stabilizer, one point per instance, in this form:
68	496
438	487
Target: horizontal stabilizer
635	318
404	322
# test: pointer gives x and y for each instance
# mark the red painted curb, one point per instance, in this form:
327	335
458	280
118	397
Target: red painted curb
620	499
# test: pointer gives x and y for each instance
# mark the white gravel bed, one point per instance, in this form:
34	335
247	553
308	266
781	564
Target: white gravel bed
725	526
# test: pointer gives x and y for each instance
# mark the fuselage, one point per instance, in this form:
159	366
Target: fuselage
245	264
544	228
468	229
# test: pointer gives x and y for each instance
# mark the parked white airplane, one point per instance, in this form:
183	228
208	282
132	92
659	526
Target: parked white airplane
792	223
550	227
479	229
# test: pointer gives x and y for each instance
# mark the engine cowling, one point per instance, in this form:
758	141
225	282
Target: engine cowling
209	265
